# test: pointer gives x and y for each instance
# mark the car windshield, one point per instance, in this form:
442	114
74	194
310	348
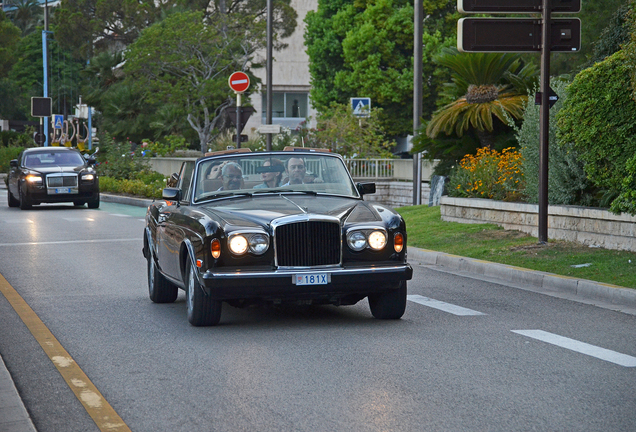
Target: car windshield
53	158
276	172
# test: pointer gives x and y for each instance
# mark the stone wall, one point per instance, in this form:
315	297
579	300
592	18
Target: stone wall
589	226
396	193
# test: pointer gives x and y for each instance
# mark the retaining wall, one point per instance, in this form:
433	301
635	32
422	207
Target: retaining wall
589	226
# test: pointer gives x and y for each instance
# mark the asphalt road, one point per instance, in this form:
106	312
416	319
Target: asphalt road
468	354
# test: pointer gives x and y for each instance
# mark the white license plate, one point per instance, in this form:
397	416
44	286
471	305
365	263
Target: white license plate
312	278
62	190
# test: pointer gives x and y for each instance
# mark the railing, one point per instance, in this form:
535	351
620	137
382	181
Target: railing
371	168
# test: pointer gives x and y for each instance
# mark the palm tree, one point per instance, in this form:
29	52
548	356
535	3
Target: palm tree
485	86
25	14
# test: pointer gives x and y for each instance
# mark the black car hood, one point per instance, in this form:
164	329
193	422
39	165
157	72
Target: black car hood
261	210
57	169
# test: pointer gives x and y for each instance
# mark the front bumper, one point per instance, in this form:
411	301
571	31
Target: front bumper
280	284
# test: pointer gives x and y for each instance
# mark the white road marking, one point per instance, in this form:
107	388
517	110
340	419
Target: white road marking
18	221
68	242
79	219
119	215
580	347
446	307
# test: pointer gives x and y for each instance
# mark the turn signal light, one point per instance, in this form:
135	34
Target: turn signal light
398	242
215	248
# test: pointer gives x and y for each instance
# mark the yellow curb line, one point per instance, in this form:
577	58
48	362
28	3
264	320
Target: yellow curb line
96	406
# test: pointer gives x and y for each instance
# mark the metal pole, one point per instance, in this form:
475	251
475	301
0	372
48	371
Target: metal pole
544	123
418	24
45	59
238	120
268	110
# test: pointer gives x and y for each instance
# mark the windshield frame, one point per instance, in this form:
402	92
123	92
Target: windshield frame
331	178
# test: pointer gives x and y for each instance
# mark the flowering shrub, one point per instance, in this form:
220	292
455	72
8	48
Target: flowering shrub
489	174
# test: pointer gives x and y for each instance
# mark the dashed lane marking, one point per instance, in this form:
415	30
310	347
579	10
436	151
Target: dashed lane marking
91	399
440	305
64	242
580	347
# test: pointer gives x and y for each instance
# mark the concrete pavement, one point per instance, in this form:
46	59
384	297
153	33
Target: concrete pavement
14	416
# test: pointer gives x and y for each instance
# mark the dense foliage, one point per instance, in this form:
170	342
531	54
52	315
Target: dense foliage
567	181
599	119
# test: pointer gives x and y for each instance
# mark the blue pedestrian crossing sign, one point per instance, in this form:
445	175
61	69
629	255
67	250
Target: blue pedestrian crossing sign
361	106
58	121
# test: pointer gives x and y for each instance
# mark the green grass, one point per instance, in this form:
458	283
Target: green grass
492	243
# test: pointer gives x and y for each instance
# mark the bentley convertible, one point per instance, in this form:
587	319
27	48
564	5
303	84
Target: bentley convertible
278	227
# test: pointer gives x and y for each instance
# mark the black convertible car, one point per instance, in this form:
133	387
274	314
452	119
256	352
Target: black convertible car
52	175
273	227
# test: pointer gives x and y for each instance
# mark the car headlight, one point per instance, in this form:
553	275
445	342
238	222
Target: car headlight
256	243
361	239
377	240
357	240
238	244
33	178
88	177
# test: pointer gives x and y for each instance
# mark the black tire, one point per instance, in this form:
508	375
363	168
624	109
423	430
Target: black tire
389	304
160	289
25	203
11	199
202	310
93	204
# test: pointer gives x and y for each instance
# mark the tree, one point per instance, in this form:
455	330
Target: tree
27	15
10	36
487	86
599	119
366	49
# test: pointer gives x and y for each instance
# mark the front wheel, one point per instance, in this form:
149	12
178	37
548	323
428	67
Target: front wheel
389	304
159	288
93	204
25	202
11	199
202	310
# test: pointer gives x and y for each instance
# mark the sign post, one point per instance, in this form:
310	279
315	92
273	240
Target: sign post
525	35
239	82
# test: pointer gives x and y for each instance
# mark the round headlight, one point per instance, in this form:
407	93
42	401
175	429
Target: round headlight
238	244
259	243
377	240
357	240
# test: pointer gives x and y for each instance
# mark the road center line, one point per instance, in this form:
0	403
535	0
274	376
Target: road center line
440	305
580	347
63	242
96	406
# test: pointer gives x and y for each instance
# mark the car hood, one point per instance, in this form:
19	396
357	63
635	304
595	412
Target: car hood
57	169
260	210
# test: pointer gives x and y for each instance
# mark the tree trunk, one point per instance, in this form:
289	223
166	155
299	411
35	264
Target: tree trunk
486	139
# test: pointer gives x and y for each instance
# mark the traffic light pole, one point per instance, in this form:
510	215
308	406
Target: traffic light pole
544	124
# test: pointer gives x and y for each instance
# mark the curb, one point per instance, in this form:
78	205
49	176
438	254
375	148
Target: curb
127	200
581	288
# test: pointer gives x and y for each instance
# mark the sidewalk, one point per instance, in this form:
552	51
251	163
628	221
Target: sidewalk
14	417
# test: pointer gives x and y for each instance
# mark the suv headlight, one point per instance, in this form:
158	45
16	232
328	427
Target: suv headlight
34	179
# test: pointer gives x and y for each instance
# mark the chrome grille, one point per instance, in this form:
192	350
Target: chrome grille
308	244
57	181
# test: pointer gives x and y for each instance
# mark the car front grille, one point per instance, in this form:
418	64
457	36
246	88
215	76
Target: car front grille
58	181
308	244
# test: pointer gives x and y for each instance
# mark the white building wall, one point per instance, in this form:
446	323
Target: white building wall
290	73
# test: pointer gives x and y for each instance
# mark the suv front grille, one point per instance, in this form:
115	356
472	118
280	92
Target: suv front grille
308	244
57	181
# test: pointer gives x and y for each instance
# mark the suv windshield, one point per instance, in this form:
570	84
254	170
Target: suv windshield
272	172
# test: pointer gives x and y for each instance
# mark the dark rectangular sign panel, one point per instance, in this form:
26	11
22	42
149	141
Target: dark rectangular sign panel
516	6
516	35
41	107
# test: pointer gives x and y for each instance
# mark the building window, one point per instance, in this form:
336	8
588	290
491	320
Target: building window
288	105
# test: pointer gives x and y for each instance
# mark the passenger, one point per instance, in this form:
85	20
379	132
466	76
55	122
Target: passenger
232	176
271	179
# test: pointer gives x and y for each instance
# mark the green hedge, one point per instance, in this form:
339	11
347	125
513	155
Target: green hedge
132	187
6	154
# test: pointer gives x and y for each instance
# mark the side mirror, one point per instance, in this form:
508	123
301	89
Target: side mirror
13	163
171	194
365	188
173	180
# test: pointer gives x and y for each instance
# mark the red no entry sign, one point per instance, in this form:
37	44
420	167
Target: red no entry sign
239	82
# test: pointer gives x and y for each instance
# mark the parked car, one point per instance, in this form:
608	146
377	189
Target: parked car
52	175
291	226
